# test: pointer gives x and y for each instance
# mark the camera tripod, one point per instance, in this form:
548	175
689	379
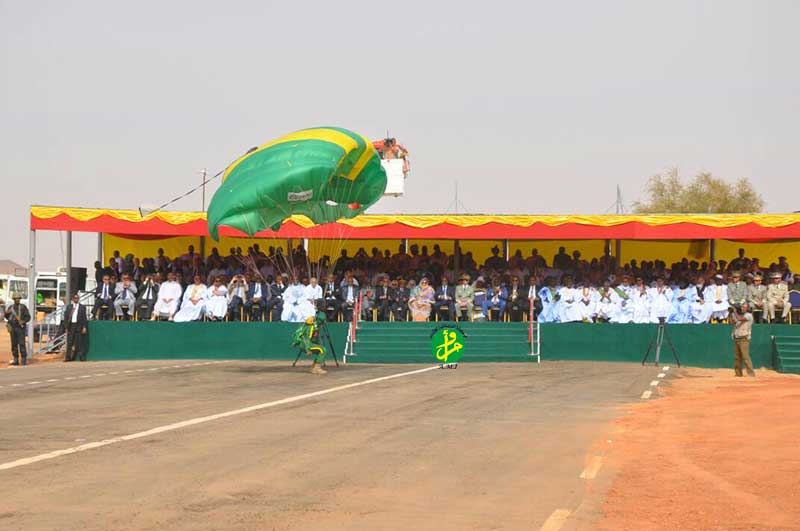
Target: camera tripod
324	334
658	341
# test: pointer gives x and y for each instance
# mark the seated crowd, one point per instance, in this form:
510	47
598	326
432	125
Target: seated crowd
419	286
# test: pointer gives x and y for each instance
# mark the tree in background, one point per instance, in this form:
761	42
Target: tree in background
705	194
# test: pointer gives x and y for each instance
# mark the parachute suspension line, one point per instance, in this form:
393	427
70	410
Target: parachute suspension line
193	190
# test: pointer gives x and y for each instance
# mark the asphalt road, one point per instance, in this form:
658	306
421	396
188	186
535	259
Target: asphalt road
484	446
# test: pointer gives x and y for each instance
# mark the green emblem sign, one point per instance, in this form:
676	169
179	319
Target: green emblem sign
447	344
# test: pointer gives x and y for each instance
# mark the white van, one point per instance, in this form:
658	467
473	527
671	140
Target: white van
50	296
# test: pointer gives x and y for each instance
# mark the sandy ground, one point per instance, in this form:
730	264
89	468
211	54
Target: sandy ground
715	452
561	445
5	346
5	352
485	446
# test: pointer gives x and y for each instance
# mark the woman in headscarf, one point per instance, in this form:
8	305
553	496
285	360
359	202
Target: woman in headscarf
421	301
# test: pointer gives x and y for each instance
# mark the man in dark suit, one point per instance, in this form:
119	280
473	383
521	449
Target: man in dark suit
104	299
384	298
517	300
237	295
76	325
348	297
275	304
330	297
401	297
259	295
444	299
148	295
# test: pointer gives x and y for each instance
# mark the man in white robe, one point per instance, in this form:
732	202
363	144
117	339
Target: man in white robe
660	301
313	292
587	302
640	301
550	302
169	293
682	298
699	308
568	295
217	304
624	294
717	298
296	307
607	307
193	306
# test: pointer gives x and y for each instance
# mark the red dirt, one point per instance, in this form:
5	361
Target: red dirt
715	452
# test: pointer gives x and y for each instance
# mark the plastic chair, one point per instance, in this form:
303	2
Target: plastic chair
794	300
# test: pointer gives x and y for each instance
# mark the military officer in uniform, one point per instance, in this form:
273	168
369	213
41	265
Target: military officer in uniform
757	297
465	297
737	290
17	315
778	297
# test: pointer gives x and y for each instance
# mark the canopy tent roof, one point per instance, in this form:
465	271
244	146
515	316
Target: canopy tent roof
753	227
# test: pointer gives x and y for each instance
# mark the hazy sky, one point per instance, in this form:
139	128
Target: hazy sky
534	107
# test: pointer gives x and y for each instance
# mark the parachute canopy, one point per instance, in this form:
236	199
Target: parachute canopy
325	173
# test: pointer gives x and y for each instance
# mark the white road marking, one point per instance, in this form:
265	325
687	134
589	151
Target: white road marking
590	472
647	394
54	380
85	376
654	383
16	385
662	374
201	420
556	520
33	383
100	374
127	372
69	377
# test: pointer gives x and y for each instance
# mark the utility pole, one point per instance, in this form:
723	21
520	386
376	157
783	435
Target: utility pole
204	173
203	238
456	202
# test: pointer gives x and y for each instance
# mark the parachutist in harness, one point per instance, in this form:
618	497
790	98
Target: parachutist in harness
308	340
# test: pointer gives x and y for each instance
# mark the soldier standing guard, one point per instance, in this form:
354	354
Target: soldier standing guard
778	297
18	316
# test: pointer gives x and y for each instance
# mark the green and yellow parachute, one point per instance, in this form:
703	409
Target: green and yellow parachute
324	173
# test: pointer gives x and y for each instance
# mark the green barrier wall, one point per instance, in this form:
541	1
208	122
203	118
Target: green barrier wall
127	340
697	345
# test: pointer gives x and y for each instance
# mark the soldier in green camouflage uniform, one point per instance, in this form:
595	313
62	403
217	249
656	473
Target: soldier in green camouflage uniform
306	338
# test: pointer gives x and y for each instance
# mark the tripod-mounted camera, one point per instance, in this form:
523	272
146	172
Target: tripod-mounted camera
658	341
324	334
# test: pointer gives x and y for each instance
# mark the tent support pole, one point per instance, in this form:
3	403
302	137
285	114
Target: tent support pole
68	265
31	290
